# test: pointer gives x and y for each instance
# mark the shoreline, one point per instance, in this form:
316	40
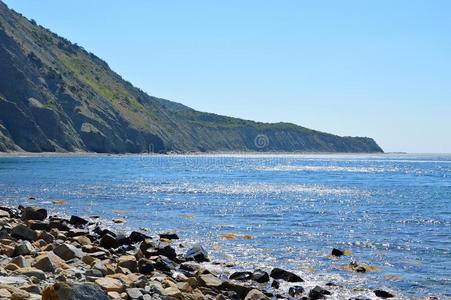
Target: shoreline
50	255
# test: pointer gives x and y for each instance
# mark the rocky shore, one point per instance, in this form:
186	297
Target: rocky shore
50	258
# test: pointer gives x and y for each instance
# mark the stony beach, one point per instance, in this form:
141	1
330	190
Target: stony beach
51	257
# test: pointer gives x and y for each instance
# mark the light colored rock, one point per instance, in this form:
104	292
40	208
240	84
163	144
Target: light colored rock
32	272
82	240
129	262
209	280
110	284
172	292
134	293
4	214
256	295
4	293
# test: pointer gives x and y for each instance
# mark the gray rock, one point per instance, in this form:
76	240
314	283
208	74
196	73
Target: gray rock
34	213
23	248
68	251
134	293
23	232
197	253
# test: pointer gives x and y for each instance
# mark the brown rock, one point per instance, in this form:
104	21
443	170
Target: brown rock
32	272
256	295
4	293
49	262
129	262
209	280
34	213
110	284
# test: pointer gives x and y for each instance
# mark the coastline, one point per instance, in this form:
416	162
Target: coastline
53	255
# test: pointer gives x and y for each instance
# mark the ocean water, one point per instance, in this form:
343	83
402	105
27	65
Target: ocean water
392	212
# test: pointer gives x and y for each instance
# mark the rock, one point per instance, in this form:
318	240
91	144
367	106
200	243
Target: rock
134	293
20	261
162	263
66	291
278	273
47	237
241	276
260	276
318	293
23	248
383	294
82	240
68	251
34	213
49	262
145	266
61	225
77	221
209	280
110	284
256	295
108	241
296	291
275	284
4	214
197	253
4	293
7	280
165	249
7	250
23	232
337	252
29	272
170	235
237	288
129	262
38	225
172	292
136	237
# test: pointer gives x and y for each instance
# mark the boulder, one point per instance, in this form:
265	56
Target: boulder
383	294
197	253
260	276
23	248
110	284
278	273
337	252
209	280
241	290
49	262
34	213
134	293
4	214
136	237
145	266
241	276
77	221
23	232
129	262
255	294
318	293
296	291
170	235
165	249
75	291
30	271
108	241
68	251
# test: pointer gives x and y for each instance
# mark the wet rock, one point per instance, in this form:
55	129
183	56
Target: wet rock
108	241
275	284
38	225
47	237
337	252
278	273
110	284
68	251
256	295
34	213
241	276
209	280
77	221
260	276
241	290
23	232
356	268
197	253
318	293
61	225
383	294
296	291
136	237
170	235
67	291
23	248
49	262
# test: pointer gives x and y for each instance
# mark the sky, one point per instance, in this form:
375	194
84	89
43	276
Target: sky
377	68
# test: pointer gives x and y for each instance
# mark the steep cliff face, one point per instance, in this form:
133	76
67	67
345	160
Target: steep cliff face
55	96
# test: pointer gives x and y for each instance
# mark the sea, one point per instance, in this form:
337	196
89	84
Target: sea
389	212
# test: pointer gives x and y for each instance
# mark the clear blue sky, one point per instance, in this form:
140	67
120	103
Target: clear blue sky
368	68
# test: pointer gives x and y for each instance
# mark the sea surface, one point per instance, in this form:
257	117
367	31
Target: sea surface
391	212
